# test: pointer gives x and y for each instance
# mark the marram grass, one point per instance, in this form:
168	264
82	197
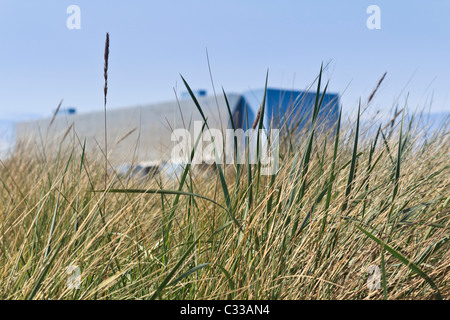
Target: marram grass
340	203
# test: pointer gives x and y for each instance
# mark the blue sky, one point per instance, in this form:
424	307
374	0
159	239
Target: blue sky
152	42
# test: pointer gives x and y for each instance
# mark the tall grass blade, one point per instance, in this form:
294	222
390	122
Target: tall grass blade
351	175
413	267
189	272
163	284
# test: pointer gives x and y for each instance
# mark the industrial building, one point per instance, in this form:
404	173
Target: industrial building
143	133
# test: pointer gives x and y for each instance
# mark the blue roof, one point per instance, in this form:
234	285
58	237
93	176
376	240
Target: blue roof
285	107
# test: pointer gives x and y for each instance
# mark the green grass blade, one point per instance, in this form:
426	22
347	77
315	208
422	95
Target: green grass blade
52	227
175	269
332	173
188	273
43	273
351	174
228	277
399	157
383	274
218	165
432	249
412	266
262	111
163	191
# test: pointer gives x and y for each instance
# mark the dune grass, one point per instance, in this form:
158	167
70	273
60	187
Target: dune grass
309	232
340	203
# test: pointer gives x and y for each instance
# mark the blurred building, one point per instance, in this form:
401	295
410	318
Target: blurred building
143	133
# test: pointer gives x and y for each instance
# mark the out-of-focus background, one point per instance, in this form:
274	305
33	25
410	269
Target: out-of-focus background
152	42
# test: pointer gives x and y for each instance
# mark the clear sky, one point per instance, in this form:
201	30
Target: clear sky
152	42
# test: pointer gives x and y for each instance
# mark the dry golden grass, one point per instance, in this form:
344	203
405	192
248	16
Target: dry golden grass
297	240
